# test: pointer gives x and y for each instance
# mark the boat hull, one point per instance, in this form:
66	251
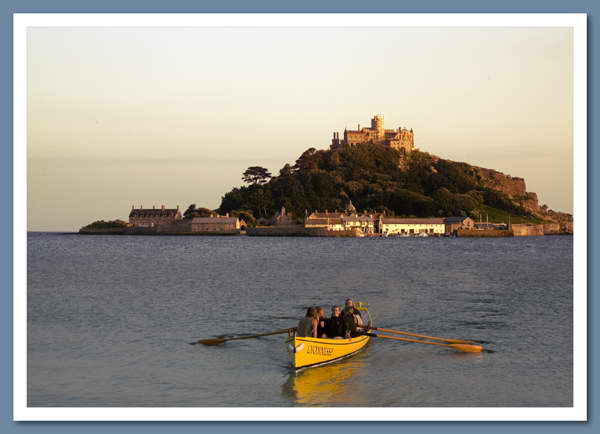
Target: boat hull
308	352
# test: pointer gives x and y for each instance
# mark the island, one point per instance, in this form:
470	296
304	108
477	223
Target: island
371	182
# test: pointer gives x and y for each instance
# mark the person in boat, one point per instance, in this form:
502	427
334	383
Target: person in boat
352	322
307	326
321	333
359	320
334	326
350	304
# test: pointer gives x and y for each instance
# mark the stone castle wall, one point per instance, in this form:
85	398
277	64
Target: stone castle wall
400	139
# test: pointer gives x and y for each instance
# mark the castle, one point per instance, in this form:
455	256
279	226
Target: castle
400	139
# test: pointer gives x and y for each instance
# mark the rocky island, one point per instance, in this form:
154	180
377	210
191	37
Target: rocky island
380	172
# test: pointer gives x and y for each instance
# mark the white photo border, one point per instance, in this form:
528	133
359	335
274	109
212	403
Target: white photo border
21	412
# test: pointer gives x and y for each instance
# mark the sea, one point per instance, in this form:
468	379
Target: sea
110	320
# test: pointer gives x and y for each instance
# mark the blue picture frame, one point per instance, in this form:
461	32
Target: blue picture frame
7	8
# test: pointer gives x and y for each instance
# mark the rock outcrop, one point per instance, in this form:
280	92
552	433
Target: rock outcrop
515	189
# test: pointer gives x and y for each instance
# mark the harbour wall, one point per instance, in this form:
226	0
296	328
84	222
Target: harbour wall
158	230
527	230
551	228
276	231
299	231
516	230
102	231
483	233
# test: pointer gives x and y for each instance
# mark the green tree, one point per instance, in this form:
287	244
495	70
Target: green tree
374	177
192	212
256	175
244	215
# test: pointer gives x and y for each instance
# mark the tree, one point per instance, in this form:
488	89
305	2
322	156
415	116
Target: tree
371	175
234	199
286	170
256	175
203	212
308	160
244	215
192	212
189	211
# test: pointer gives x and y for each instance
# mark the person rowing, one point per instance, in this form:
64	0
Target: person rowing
352	322
307	326
350	304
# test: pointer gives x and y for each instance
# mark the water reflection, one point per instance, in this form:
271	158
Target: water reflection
339	383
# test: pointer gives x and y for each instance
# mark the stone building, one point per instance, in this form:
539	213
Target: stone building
341	221
400	139
145	217
363	222
411	226
330	224
455	223
283	218
331	221
215	224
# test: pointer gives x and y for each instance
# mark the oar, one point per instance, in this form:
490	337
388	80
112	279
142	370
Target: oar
465	348
217	341
416	335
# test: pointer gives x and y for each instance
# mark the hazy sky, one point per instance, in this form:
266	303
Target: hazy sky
151	116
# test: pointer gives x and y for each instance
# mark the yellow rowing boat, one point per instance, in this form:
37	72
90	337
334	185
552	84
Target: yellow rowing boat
306	352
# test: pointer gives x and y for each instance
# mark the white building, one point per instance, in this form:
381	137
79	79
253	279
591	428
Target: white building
335	221
395	225
366	223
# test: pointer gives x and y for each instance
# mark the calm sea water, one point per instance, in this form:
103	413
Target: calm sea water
110	318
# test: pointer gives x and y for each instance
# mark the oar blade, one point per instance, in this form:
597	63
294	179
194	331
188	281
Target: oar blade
213	341
466	348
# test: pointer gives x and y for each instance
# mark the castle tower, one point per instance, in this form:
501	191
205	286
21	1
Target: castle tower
377	125
335	141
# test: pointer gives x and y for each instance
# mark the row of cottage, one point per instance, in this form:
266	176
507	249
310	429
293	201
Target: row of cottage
170	220
369	224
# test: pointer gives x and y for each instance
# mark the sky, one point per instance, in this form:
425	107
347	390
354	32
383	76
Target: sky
151	116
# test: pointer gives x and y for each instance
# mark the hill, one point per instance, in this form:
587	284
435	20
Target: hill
380	179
